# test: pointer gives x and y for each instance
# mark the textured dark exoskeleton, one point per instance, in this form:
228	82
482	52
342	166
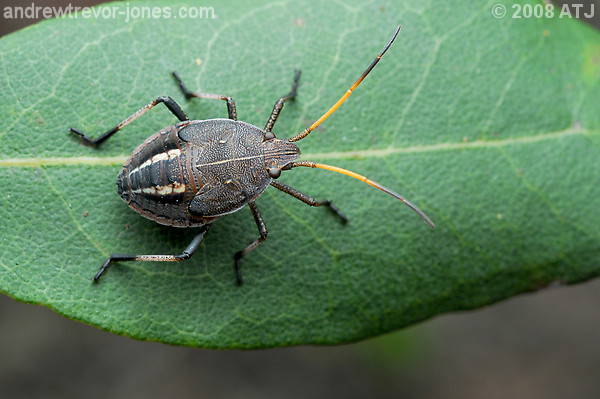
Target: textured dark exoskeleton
194	172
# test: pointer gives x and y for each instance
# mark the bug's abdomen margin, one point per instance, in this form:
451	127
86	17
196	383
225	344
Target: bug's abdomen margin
156	181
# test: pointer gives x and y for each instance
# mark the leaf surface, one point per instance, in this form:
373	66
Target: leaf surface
490	125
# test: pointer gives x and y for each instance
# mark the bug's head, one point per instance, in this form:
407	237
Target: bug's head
279	155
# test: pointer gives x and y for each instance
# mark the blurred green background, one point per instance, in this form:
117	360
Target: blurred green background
542	345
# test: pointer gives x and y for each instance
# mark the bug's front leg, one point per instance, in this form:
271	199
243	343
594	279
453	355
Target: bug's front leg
262	230
308	199
186	254
279	105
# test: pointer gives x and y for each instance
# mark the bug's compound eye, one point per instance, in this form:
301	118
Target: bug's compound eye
274	172
269	136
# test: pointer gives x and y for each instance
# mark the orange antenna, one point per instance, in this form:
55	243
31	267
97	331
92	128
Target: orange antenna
312	127
346	172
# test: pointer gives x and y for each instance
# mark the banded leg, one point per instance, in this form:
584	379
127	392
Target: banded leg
186	254
279	105
308	200
168	101
210	96
262	230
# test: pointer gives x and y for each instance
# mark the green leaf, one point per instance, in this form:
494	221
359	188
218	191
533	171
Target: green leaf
490	125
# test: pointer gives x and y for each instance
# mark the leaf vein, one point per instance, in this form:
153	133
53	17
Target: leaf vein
70	212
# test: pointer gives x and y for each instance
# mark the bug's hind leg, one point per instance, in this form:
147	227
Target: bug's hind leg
168	101
308	200
262	230
210	96
186	254
279	105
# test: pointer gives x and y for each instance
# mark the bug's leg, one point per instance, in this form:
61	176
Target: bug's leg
186	254
279	105
262	229
168	101
210	96
308	200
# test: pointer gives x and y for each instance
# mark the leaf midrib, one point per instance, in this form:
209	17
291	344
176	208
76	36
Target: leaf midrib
371	153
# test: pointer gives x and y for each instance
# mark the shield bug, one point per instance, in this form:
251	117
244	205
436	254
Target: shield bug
192	173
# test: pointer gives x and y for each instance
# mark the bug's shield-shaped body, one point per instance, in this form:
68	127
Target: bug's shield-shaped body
193	172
